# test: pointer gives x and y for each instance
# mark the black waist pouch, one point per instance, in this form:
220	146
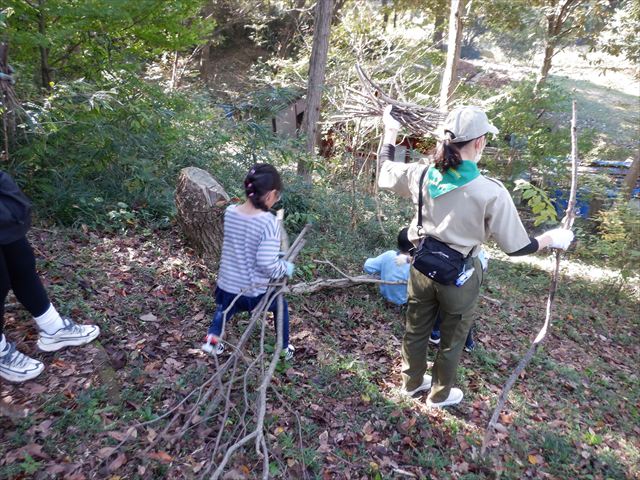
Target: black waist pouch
433	258
438	261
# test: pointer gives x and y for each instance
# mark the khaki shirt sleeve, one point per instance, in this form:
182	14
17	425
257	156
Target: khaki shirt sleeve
503	223
400	178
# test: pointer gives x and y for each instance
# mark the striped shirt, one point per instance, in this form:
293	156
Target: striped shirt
250	250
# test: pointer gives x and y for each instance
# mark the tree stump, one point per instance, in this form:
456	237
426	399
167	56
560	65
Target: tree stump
200	202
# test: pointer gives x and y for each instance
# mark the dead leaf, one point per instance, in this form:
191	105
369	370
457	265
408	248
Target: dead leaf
105	452
55	469
34	450
119	461
234	475
36	388
161	456
506	418
151	435
324	442
149	317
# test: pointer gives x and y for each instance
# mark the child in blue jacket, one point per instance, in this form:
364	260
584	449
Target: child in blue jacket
393	266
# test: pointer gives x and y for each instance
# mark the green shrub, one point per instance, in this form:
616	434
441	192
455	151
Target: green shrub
90	155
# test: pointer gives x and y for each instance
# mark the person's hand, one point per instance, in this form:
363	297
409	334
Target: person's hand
560	238
290	268
390	123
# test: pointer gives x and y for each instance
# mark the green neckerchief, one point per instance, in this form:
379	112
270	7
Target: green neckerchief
439	184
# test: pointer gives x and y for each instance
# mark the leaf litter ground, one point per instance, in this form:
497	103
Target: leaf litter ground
335	411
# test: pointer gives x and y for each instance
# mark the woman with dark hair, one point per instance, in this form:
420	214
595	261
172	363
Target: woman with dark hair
250	257
18	273
461	209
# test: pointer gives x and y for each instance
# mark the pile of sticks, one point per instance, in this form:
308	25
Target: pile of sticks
372	100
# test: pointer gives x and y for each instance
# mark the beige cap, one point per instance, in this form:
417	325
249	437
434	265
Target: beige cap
467	123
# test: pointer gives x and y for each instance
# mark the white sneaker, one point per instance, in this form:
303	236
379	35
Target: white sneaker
212	345
15	366
426	385
455	397
70	335
288	352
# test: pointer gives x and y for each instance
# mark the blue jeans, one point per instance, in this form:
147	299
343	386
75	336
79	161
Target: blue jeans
436	328
246	304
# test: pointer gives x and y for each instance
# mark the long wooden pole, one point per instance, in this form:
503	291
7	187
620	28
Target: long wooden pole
567	222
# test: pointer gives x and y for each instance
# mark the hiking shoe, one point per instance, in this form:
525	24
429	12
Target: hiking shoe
288	352
455	397
15	366
213	345
470	346
70	335
426	385
435	337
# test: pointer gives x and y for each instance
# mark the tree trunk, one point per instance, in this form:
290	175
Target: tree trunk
315	85
7	101
631	179
385	15
438	31
549	50
200	203
289	30
174	71
45	70
449	78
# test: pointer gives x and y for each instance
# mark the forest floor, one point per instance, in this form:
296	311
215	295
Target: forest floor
575	412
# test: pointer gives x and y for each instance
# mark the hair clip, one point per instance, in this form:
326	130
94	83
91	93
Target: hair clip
252	171
251	194
249	185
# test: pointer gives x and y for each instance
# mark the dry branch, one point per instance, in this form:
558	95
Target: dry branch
567	222
371	102
322	283
234	397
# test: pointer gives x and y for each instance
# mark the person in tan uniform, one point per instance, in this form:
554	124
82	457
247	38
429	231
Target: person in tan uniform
461	208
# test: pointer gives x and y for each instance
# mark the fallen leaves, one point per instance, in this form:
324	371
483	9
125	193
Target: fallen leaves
149	317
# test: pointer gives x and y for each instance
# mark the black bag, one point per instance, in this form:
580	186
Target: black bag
436	259
15	210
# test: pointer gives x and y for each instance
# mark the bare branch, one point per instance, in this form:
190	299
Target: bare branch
567	222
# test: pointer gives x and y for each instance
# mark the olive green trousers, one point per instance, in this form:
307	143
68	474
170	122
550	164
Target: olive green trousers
457	307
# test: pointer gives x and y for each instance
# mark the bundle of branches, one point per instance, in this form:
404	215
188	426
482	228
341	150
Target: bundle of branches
9	104
372	100
227	411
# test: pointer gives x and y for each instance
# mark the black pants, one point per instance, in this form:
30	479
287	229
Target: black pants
18	273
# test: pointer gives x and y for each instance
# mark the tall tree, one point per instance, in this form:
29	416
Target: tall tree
315	84
549	25
71	39
449	78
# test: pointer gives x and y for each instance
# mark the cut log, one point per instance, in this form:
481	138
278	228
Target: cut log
200	203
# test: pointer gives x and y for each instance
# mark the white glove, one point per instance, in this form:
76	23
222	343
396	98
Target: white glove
402	259
560	238
484	260
290	268
390	123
